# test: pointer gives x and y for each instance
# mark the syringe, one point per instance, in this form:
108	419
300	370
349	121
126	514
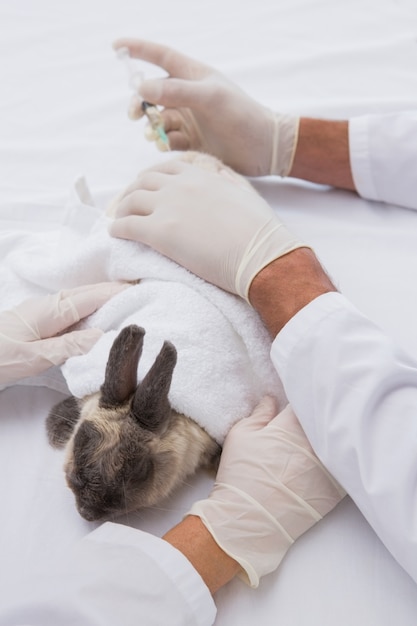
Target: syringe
150	110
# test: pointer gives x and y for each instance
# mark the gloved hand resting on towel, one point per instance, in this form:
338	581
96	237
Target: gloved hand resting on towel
29	334
209	221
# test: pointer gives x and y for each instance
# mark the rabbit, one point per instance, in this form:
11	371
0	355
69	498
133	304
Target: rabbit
126	448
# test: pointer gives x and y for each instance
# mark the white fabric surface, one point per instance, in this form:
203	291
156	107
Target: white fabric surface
218	336
62	113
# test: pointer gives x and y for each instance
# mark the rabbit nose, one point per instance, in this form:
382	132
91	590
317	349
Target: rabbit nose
89	514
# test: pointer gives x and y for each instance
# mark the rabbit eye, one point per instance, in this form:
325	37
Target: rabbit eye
87	436
76	482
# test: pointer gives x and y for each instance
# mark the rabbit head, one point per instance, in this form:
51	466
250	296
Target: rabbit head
126	447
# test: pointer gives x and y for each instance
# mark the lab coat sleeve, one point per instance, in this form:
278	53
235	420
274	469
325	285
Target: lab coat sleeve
383	155
355	394
116	575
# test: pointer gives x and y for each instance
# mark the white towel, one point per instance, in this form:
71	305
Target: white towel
223	365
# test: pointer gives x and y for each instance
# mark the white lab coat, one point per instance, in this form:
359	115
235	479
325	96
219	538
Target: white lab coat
383	151
355	394
115	576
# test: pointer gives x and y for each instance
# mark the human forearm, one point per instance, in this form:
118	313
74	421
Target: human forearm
286	285
322	153
192	538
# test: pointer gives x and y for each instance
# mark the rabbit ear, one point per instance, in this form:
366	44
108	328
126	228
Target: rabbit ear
61	421
150	405
121	372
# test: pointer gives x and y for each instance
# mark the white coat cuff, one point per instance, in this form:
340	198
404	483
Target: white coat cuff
360	158
300	325
172	563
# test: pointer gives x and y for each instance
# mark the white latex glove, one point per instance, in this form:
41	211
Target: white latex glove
270	488
28	341
205	111
211	221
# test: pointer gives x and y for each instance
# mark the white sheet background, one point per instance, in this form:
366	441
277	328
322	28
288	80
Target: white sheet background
62	113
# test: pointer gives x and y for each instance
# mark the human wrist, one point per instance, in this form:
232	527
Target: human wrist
271	240
287	285
322	153
193	539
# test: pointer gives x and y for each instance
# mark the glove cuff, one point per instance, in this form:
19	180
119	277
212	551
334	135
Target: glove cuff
284	143
271	241
244	530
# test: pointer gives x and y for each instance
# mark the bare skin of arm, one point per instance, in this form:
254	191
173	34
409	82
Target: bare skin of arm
322	153
287	285
193	539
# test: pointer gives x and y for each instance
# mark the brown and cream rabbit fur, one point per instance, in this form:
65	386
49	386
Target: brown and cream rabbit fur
126	447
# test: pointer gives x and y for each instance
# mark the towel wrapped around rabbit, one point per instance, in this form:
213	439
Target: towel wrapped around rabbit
180	361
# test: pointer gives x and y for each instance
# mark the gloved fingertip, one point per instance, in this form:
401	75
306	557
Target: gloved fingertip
92	297
268	401
266	407
58	349
111	209
263	413
113	288
151	90
150	133
81	341
114	229
135	111
120	228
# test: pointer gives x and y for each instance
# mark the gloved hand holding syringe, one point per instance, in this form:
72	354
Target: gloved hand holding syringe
155	131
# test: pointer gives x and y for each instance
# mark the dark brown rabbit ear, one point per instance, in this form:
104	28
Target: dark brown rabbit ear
61	421
120	380
150	405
